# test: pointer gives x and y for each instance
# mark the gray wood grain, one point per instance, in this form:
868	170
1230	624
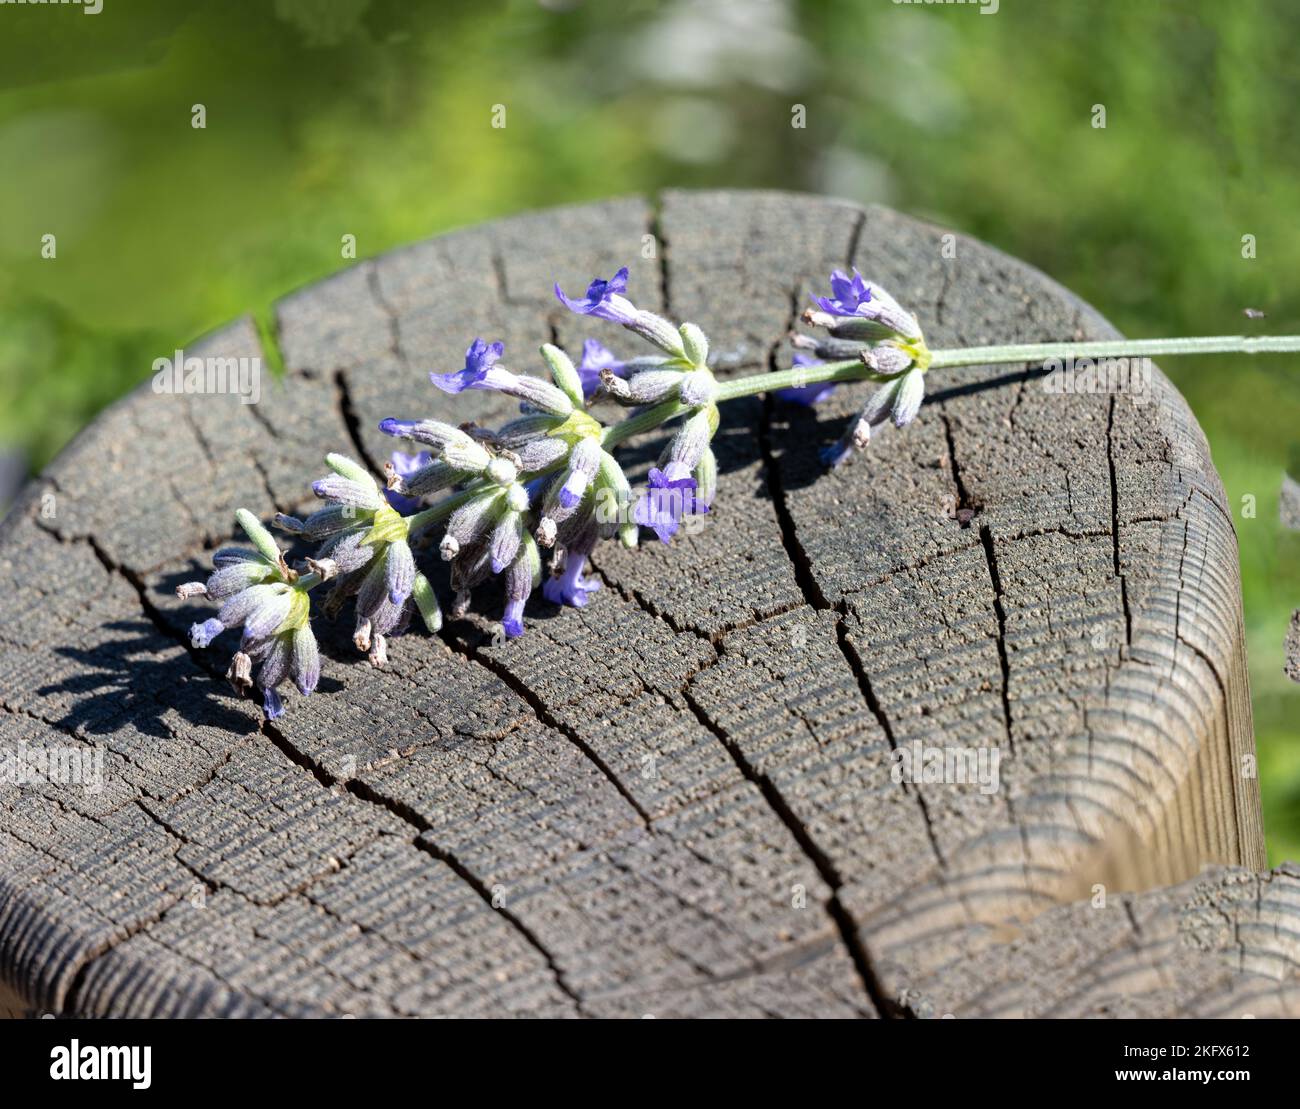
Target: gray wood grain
677	801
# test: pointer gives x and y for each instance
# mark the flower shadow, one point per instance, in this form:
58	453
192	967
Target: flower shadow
132	676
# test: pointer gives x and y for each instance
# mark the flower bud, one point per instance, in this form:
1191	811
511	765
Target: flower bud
687	447
502	471
506	538
887	358
695	345
698	388
657	330
469	522
258	535
650	387
584	460
427	602
540	453
563	373
706	477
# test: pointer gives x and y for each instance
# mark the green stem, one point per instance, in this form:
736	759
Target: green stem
648	420
1115	348
441	510
856	370
852	370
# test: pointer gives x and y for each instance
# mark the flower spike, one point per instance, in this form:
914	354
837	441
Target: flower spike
548	479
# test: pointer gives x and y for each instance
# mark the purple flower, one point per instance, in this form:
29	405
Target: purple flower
807	394
203	634
272	705
383	600
257	592
512	623
852	296
604	300
404	465
664	503
482	372
521	576
570	588
848	295
596	357
480	369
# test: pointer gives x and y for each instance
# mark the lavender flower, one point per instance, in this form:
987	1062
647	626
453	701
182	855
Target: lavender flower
402	466
545	479
666	500
567	585
523	576
597	360
365	549
482	372
605	301
458	450
479	372
853	298
649	386
383	605
262	594
848	295
687	447
564	500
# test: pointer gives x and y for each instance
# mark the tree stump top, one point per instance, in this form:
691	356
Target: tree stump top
679	800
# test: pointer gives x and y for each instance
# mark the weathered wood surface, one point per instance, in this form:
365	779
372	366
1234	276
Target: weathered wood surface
678	800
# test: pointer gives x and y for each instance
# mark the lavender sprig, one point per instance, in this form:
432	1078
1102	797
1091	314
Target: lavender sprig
548	479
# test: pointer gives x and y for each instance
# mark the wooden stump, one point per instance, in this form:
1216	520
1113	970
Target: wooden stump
679	800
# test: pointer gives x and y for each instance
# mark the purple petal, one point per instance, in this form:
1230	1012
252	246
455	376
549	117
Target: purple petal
203	634
848	295
570	588
596	357
272	705
604	299
404	504
455	382
406	464
513	620
482	356
668	497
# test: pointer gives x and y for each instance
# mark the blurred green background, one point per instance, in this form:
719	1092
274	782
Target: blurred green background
370	117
